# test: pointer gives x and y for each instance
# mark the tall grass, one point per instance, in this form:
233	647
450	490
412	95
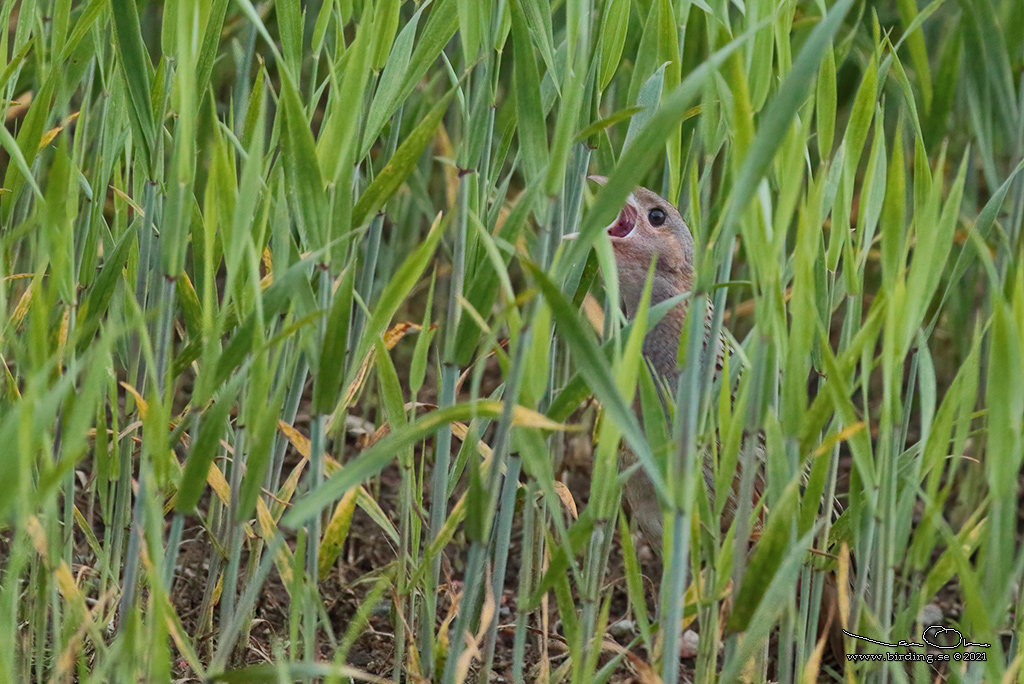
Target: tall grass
281	280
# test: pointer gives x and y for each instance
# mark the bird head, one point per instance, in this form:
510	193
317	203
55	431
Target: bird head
648	227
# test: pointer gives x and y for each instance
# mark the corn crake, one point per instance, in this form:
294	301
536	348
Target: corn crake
648	228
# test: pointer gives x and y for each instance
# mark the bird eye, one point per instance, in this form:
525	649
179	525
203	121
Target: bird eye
656	216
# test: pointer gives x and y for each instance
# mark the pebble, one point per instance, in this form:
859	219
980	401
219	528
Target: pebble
622	629
931	614
691	640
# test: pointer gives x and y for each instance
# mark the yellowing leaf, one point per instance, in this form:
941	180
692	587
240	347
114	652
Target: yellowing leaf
298	440
68	588
461	430
129	201
814	662
219	484
524	417
62	336
55	131
21	308
38	536
594	313
841	436
268	262
284	495
336	532
215	599
143	406
268	530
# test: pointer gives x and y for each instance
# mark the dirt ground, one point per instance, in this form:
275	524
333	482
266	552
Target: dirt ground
344	591
368	550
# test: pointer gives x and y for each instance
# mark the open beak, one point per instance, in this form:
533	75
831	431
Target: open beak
625	222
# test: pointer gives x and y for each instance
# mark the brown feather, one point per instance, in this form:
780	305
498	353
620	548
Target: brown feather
639	237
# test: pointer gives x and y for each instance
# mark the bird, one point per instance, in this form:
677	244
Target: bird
649	228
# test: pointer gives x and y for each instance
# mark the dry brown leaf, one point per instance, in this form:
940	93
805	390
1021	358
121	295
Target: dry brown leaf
395	334
525	417
385	429
453	610
487	613
814	661
391	338
645	673
461	430
69	657
567	499
844	585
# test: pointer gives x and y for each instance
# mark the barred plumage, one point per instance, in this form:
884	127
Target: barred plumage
649	227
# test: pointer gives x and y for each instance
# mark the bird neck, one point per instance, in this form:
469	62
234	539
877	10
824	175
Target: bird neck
661	345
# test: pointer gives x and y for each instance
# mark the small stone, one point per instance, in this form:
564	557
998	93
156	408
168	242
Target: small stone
644	554
691	640
623	629
931	614
358	426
